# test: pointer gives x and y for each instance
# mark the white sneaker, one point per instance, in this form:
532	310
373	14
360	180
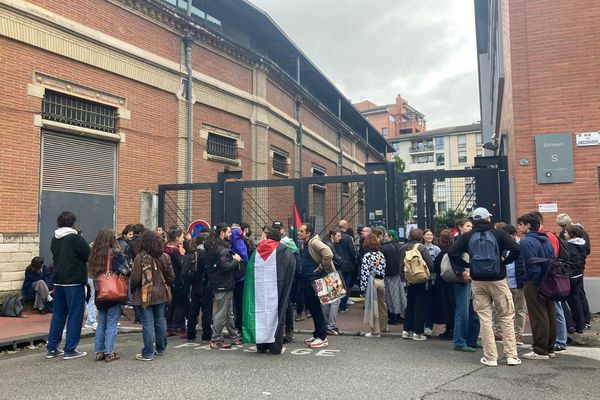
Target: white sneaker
489	363
406	335
534	356
427	332
94	326
552	355
369	334
513	361
318	342
309	340
419	337
350	302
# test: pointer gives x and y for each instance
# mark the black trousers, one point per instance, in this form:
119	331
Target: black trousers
238	304
576	302
177	311
277	346
314	306
416	308
201	300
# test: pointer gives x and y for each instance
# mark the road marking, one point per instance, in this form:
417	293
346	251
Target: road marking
252	349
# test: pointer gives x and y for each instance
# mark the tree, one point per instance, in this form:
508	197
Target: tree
400	166
448	216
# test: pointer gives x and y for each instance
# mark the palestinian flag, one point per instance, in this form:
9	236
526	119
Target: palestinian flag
296	222
268	283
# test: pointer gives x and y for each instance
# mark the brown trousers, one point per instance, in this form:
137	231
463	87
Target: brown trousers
380	319
542	316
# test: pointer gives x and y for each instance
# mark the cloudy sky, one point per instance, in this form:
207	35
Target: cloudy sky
376	49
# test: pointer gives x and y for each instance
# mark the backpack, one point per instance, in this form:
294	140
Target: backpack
12	306
556	282
415	268
194	266
485	256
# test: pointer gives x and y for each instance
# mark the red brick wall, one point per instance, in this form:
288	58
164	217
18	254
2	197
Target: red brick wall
280	99
555	75
214	65
311	121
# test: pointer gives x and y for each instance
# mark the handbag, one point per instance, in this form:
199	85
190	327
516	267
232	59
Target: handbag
329	288
112	286
167	287
446	271
556	282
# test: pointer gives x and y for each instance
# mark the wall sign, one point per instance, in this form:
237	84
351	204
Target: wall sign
587	139
554	158
548	207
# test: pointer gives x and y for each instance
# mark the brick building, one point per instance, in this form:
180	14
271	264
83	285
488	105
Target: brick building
94	112
395	119
539	72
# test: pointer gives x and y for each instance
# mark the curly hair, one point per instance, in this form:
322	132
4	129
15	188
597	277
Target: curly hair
104	244
151	243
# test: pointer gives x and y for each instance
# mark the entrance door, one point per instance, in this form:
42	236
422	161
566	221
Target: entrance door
78	175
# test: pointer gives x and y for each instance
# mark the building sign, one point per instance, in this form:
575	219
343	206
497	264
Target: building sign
554	158
587	139
548	207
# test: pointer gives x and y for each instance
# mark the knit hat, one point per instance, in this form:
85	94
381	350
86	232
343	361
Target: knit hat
563	219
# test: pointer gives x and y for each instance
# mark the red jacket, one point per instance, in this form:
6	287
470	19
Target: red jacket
553	240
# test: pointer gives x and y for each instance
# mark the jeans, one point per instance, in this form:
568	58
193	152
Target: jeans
330	312
90	309
466	322
561	326
347	279
314	306
106	333
69	302
201	299
153	329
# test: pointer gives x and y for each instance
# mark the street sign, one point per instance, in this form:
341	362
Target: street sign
587	139
198	226
554	158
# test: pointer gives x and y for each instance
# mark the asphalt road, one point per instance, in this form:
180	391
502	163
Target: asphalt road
350	368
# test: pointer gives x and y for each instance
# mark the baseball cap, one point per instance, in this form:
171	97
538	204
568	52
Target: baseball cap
481	213
277	224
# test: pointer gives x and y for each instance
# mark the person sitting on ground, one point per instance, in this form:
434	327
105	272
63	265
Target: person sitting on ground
38	285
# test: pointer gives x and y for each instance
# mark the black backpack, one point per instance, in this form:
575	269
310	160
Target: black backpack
194	266
485	255
12	306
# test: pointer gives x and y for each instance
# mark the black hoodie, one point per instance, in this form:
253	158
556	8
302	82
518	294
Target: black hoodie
461	245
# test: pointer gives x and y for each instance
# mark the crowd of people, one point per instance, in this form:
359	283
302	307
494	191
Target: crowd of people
476	278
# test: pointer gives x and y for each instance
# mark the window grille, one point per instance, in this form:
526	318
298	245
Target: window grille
222	146
79	112
346	188
280	163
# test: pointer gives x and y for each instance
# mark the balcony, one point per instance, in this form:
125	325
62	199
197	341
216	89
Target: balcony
421	149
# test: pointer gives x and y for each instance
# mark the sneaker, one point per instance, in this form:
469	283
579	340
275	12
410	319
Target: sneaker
534	356
100	356
237	342
552	354
183	335
587	324
288	337
372	335
54	353
141	357
333	332
128	307
171	333
350	302
466	349
489	363
112	357
299	317
308	314
343	311
519	340
559	349
319	343
219	345
427	332
513	361
74	354
309	340
419	337
406	335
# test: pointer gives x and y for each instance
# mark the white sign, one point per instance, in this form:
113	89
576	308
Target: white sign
548	207
588	139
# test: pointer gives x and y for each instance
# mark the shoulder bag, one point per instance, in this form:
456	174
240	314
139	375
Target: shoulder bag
112	286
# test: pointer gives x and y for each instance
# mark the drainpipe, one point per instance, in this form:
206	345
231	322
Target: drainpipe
299	133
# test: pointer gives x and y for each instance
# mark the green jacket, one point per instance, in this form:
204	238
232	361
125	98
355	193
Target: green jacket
70	253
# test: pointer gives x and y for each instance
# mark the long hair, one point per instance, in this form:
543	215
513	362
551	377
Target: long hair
446	240
36	266
214	239
151	243
104	244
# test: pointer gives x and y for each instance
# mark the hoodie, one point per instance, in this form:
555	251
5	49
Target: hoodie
70	253
238	246
535	244
577	256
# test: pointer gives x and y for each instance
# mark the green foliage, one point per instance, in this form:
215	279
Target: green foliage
400	167
450	215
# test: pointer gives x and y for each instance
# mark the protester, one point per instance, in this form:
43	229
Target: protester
238	246
372	285
106	251
416	293
577	250
269	279
317	258
463	226
37	285
345	248
542	313
201	297
179	307
442	296
70	252
330	310
395	297
151	275
222	265
430	242
485	246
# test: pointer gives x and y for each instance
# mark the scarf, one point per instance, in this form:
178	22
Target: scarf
147	283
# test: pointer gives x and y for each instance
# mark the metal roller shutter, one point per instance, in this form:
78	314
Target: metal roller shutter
75	164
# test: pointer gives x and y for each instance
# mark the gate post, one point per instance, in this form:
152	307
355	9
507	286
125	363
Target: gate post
161	206
429	203
232	212
392	216
420	202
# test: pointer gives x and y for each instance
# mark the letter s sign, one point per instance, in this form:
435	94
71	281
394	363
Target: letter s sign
554	157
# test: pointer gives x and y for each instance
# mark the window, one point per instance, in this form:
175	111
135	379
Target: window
280	162
462	156
78	112
441	190
384	132
442	207
396	146
318	171
478	153
439	143
222	146
462	141
479	139
469	188
430	158
440	159
430	144
346	188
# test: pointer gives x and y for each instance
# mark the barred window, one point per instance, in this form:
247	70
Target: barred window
280	163
79	112
222	146
346	188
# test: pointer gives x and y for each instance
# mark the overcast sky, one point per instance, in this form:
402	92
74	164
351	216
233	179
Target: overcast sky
376	49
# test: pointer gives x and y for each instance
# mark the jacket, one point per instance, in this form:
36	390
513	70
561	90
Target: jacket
391	252
424	253
321	253
238	246
372	261
119	265
577	256
221	268
70	253
535	244
30	278
345	248
162	265
461	245
586	237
